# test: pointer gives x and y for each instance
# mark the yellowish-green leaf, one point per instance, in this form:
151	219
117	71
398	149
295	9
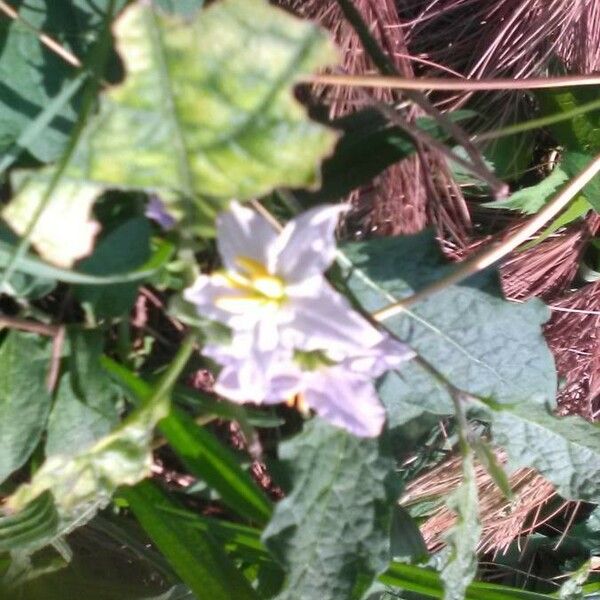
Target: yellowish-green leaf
206	111
87	480
65	231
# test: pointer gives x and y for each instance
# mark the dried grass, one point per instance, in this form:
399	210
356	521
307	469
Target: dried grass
482	39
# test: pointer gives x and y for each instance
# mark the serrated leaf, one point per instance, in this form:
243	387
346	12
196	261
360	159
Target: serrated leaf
483	344
31	75
24	398
530	200
207	108
461	559
331	531
566	451
85	406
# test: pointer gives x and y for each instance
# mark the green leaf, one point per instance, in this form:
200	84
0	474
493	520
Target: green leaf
428	583
207	108
566	451
202	453
581	133
331	531
32	76
24	398
574	163
406	541
530	200
368	146
461	559
200	563
123	250
485	455
83	482
85	405
184	8
481	343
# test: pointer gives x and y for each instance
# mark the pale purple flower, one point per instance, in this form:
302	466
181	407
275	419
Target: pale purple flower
272	283
157	211
341	392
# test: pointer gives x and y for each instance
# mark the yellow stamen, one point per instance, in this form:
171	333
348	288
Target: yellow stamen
298	402
256	286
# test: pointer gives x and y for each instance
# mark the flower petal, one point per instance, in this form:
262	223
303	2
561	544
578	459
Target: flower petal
388	354
322	319
306	246
346	400
242	232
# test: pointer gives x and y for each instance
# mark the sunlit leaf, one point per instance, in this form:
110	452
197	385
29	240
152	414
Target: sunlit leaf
206	109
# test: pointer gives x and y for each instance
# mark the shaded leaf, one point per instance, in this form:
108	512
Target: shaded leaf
574	163
481	343
368	146
24	398
566	451
406	541
122	250
331	531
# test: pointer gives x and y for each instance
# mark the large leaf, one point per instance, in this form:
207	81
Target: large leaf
564	450
24	398
331	531
479	341
31	74
85	405
200	563
207	107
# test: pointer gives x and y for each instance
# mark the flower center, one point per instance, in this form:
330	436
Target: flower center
255	287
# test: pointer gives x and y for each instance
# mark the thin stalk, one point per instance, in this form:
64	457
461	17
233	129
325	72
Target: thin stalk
449	84
497	251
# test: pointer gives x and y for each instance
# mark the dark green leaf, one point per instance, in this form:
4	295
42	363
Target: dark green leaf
24	398
488	459
479	341
368	146
575	162
406	541
200	563
331	531
124	249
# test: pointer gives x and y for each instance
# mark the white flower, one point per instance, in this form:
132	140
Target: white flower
342	392
272	283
